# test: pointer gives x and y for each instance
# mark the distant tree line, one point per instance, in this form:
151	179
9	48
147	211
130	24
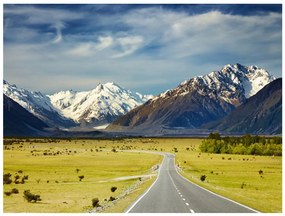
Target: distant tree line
245	145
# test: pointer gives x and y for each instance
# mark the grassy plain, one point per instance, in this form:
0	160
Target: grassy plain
234	176
55	179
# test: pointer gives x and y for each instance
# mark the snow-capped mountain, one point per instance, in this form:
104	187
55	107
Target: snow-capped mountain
37	104
66	109
233	83
197	101
98	106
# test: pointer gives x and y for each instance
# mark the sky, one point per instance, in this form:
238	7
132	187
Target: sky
147	48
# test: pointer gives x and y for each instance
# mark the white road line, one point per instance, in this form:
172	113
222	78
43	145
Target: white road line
183	199
192	211
187	204
139	199
217	194
181	195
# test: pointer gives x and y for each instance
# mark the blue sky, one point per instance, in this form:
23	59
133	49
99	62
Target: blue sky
147	48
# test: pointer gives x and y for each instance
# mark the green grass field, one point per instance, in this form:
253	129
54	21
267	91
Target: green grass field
234	176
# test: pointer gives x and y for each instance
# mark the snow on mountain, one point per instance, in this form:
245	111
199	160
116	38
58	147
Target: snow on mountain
37	104
233	83
98	106
65	109
195	102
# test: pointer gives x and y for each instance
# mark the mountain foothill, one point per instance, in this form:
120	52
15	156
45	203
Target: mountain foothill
236	99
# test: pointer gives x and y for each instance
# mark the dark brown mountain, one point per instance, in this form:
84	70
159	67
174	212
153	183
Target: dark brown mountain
19	122
260	114
188	106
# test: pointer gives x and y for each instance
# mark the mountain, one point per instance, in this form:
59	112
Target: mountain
19	122
196	101
97	107
37	104
260	114
66	109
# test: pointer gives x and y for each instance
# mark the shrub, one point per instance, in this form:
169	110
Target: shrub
31	197
81	177
95	202
8	193
15	191
113	189
260	172
112	199
242	185
7	178
203	177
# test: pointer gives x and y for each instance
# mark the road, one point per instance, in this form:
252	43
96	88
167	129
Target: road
172	193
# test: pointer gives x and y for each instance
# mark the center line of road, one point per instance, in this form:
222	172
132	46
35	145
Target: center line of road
187	204
192	211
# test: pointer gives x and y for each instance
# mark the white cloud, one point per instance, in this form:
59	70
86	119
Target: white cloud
104	42
128	45
165	46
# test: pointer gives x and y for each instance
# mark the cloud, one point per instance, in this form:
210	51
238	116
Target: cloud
58	27
163	44
128	45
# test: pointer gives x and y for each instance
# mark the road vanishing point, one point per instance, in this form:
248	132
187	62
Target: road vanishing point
172	193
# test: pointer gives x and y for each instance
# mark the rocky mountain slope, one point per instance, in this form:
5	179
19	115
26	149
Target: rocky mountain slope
196	101
260	114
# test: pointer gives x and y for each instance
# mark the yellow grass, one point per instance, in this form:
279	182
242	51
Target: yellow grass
237	178
59	185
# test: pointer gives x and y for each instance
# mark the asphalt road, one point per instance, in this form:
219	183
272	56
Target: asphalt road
172	193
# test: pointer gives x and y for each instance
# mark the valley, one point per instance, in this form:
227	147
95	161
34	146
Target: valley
54	167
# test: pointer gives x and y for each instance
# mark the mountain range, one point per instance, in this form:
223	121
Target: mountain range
67	109
210	102
195	102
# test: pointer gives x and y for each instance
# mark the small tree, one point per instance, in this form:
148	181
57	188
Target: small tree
77	170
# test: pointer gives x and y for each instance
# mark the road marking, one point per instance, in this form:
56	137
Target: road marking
139	199
216	194
187	204
183	199
192	211
181	195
